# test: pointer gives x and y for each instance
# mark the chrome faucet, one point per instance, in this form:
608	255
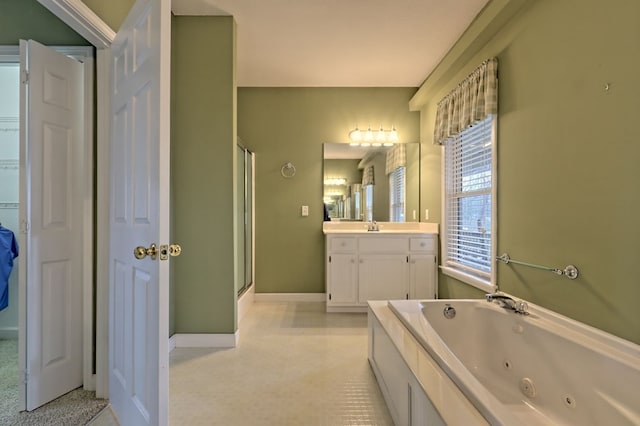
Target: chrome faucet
373	226
517	306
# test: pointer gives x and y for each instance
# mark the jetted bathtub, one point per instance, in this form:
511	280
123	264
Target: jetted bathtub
536	369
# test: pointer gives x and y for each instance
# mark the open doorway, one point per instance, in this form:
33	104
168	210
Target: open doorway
9	223
35	175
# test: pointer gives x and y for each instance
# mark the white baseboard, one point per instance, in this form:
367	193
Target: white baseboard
348	310
8	332
245	301
290	297
202	340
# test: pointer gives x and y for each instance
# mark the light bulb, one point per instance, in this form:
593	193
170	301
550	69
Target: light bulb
355	135
380	137
393	135
368	136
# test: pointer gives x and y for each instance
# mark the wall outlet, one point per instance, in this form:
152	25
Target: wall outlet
305	210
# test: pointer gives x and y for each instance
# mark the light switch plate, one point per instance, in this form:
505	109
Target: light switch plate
305	210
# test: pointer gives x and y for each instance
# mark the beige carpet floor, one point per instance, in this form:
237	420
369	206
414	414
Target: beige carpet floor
77	407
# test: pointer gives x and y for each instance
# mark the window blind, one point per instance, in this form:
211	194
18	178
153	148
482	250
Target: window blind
397	194
468	183
368	203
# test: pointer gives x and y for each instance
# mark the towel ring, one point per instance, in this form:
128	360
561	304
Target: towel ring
288	170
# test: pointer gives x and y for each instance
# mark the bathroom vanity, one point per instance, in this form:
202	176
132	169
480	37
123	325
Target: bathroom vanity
397	261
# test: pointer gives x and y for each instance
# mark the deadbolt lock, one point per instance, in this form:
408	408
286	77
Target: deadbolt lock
142	252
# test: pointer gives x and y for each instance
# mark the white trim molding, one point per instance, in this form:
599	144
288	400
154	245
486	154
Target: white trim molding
102	222
244	303
85	22
290	297
8	332
82	20
184	340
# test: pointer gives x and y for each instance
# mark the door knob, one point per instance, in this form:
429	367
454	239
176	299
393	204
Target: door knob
141	252
172	250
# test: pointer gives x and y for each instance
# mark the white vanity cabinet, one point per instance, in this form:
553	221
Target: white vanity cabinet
423	276
342	271
383	277
363	266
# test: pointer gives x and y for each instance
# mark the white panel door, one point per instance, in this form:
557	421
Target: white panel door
52	157
139	215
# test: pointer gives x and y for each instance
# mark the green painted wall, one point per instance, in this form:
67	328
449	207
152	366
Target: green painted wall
112	12
203	161
568	153
28	19
348	169
290	125
342	168
380	191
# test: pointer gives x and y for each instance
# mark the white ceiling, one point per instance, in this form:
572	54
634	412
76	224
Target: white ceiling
339	43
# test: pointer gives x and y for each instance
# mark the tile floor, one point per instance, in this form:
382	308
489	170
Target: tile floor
294	365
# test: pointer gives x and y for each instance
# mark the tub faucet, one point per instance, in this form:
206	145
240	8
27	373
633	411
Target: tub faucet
517	306
373	226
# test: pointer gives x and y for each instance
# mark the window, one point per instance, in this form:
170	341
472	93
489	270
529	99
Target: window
396	194
469	195
368	203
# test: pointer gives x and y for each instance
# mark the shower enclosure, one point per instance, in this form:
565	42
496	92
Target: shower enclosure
244	188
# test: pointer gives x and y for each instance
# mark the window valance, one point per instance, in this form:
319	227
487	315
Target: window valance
396	157
471	101
367	176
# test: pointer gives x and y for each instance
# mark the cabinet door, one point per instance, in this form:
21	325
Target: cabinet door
423	276
383	277
342	279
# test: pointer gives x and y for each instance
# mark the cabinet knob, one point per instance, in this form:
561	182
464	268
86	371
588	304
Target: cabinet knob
422	244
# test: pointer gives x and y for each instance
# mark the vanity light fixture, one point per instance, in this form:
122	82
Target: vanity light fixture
333	194
370	137
335	181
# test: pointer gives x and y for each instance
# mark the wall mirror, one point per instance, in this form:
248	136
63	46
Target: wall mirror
371	183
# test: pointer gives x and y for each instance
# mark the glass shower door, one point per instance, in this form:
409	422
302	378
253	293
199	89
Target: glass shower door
244	219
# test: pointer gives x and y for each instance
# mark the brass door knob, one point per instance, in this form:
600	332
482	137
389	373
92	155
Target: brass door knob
141	252
169	250
175	250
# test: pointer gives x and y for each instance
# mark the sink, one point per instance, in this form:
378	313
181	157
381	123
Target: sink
334	227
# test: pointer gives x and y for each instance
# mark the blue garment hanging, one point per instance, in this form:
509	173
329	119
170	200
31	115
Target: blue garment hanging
8	252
